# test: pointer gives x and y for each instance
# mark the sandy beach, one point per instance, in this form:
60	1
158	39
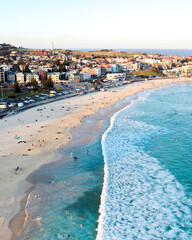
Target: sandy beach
30	139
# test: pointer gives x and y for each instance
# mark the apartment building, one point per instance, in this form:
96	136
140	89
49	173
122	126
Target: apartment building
85	75
20	78
5	67
2	77
10	77
29	77
116	76
74	77
54	77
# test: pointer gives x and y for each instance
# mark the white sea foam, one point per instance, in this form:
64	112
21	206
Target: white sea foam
140	199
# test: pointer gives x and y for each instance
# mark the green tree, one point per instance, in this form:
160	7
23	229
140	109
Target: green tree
156	69
57	62
34	84
27	70
17	87
48	83
62	68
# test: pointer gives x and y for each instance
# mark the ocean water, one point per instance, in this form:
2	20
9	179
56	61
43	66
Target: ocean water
71	199
147	192
134	182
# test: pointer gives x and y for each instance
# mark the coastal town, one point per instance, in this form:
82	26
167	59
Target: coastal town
29	77
95	119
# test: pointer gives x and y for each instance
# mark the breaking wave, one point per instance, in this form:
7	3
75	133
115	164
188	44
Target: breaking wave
141	199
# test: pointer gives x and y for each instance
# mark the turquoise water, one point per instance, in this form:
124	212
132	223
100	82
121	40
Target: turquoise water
74	193
148	168
147	188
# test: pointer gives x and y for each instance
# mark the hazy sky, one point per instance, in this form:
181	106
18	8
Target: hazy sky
97	24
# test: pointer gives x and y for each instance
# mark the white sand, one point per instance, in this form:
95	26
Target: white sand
54	131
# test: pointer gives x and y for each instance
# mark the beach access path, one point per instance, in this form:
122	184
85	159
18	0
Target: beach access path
30	139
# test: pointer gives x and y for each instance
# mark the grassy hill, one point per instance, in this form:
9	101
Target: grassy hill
145	73
105	53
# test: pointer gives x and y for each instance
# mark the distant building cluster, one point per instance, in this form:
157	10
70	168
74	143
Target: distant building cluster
61	67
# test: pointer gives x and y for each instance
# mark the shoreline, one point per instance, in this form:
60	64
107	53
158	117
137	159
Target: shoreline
90	105
94	128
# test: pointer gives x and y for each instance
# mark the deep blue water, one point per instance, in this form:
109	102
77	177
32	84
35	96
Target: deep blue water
147	190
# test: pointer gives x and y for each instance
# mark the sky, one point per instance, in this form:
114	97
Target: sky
116	24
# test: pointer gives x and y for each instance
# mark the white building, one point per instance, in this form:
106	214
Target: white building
133	66
45	68
20	78
116	76
6	67
54	77
33	66
30	77
151	60
73	77
123	66
172	72
85	75
98	71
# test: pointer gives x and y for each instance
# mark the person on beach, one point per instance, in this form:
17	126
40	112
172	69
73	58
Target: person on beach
26	218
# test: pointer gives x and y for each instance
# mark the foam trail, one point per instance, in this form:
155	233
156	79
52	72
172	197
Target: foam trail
140	199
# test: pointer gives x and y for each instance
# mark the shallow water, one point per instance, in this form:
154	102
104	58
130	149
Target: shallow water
74	193
148	168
